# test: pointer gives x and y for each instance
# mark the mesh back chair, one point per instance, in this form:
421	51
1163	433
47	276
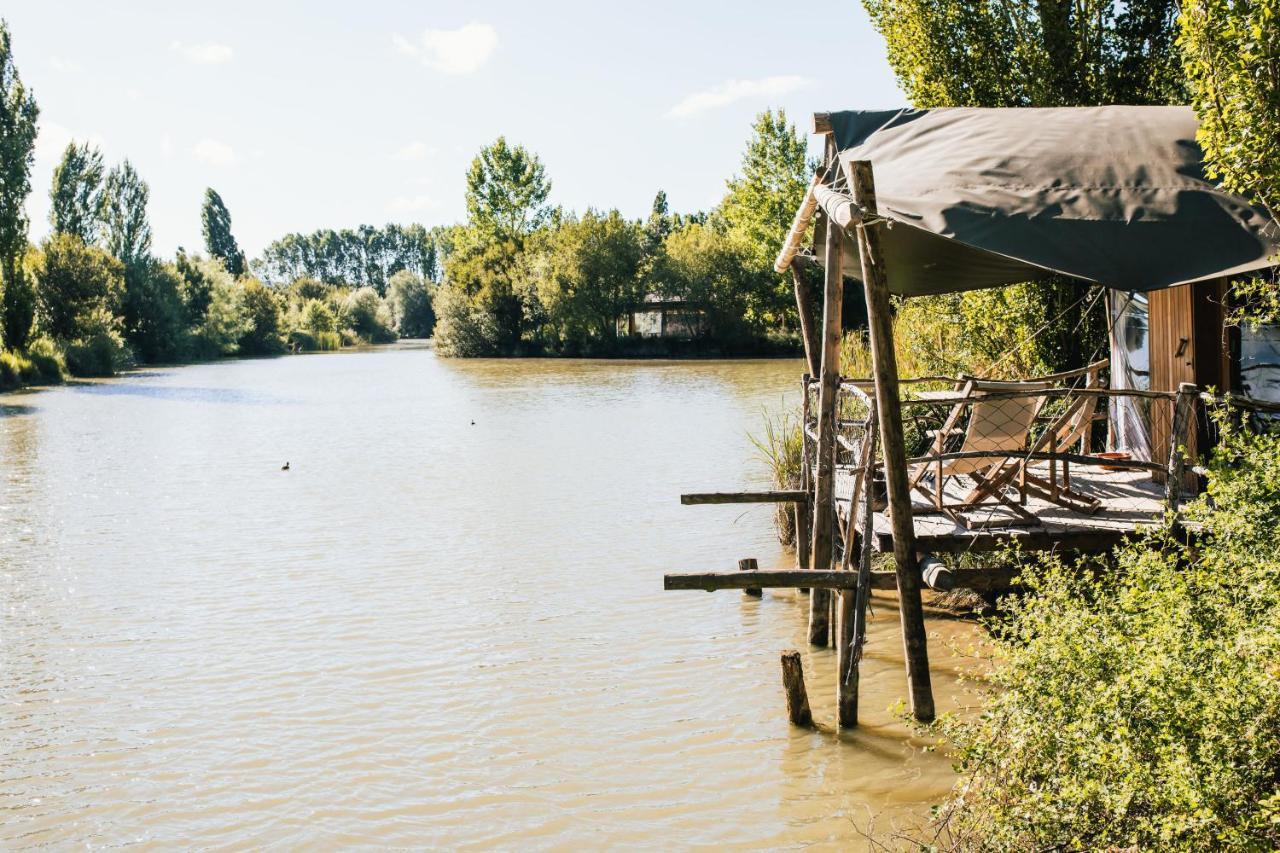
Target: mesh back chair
997	433
1073	427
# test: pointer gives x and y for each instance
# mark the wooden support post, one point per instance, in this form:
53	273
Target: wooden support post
885	367
851	624
793	684
823	503
804	510
1187	394
804	308
749	565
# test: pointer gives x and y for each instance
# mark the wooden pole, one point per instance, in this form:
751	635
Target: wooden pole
793	685
1187	394
804	513
853	602
749	565
885	366
824	487
804	308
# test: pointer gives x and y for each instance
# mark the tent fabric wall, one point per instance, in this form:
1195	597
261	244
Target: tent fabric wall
1110	195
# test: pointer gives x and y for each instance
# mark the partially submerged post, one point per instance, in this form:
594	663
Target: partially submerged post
749	565
793	685
884	364
828	389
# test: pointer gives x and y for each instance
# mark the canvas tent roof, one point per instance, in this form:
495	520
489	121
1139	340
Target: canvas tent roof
1112	195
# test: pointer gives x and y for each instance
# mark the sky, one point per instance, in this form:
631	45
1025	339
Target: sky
329	115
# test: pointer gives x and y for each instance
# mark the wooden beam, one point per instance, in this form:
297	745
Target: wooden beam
780	496
1187	393
824	516
889	406
996	577
822	122
749	565
779	578
804	309
799	225
842	209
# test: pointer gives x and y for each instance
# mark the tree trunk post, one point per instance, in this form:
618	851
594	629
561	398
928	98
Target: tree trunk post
793	685
889	406
823	503
804	308
1177	459
749	565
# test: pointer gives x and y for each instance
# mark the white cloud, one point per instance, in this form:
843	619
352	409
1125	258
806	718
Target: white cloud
214	153
460	51
205	53
737	90
415	151
413	204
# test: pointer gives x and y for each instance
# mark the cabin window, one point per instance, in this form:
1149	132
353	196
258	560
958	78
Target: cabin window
1260	362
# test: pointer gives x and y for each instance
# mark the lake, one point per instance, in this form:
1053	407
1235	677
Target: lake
443	626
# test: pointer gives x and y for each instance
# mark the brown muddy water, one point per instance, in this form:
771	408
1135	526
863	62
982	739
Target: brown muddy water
428	632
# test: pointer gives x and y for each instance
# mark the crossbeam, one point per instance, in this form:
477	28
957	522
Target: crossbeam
780	496
985	579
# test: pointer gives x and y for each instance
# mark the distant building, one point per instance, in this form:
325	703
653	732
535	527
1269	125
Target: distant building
665	317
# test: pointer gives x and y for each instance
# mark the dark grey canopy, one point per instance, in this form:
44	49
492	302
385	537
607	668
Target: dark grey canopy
1111	195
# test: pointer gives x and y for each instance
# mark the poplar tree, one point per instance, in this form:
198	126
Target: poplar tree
18	114
125	226
215	222
507	187
76	197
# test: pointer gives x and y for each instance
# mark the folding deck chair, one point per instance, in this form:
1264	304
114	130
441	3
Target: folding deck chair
1073	427
998	428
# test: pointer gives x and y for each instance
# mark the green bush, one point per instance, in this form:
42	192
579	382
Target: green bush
99	350
301	340
1137	705
409	299
47	359
75	282
365	314
261	334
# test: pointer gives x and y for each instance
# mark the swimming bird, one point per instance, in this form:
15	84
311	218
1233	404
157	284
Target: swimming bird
284	467
473	423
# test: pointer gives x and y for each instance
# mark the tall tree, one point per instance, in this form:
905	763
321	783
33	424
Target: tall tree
506	190
125	225
1232	57
1032	53
659	223
76	197
763	199
215	221
18	114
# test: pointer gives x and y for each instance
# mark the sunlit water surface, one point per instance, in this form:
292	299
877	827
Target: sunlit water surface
444	626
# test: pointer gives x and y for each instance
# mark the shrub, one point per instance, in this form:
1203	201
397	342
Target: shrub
365	314
47	359
155	317
222	319
1138	705
781	448
260	307
99	349
463	328
301	340
410	302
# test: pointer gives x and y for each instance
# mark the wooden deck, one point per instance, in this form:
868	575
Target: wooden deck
1130	500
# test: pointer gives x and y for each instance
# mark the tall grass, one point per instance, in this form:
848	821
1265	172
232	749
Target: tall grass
781	448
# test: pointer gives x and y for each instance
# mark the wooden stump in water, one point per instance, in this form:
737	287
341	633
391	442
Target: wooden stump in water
793	684
749	565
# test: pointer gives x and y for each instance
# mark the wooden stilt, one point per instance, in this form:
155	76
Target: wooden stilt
823	505
885	367
804	509
749	565
804	308
853	602
793	684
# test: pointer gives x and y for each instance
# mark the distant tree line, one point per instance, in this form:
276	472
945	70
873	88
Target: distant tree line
93	297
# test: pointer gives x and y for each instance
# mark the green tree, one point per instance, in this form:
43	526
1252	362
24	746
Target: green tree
223	321
153	314
261	333
125	225
74	282
479	308
1032	53
18	114
762	201
409	300
318	317
658	225
76	197
506	190
591	277
711	269
215	221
